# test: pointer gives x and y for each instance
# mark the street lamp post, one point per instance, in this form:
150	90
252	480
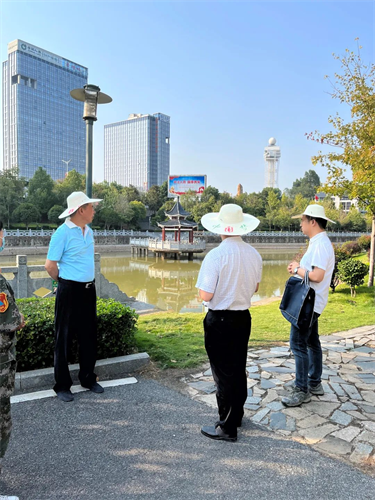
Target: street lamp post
91	96
67	165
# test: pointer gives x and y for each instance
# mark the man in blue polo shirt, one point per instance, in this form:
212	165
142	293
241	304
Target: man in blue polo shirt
70	261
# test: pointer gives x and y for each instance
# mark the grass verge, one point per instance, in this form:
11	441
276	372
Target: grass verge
176	340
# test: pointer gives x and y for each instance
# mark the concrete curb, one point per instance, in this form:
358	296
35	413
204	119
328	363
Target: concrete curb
104	368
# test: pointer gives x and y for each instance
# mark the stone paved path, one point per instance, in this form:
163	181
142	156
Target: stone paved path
340	423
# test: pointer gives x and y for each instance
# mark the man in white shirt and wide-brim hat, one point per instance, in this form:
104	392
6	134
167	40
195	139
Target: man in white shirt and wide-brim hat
319	263
70	261
229	276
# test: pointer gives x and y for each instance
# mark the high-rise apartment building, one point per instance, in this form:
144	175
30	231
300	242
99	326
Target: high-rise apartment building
42	123
136	151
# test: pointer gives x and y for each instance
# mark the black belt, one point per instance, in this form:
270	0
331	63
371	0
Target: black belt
229	311
80	284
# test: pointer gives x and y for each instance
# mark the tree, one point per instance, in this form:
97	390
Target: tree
273	204
160	214
40	192
26	212
12	190
208	192
139	211
54	212
131	193
306	186
72	182
352	272
154	198
353	141
203	208
354	221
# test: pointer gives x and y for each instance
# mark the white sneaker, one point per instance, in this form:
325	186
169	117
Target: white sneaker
3	497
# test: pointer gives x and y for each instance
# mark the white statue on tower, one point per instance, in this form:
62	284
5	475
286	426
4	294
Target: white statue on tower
272	155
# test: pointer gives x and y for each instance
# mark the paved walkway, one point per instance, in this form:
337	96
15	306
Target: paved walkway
143	441
340	423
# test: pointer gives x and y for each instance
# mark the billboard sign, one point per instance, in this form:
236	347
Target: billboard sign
179	185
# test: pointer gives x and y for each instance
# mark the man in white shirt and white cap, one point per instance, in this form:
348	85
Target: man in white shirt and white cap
319	263
70	261
229	276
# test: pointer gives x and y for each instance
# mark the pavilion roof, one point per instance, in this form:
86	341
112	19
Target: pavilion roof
175	223
177	210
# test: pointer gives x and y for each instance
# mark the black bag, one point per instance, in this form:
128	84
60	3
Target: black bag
297	304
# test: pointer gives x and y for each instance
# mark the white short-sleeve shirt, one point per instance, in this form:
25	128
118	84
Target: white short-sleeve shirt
231	272
320	254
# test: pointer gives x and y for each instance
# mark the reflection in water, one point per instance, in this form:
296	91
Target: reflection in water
170	285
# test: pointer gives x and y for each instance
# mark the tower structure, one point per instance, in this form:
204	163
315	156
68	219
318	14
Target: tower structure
42	124
137	151
272	155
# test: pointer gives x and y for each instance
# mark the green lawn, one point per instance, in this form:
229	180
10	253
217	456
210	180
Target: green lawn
176	340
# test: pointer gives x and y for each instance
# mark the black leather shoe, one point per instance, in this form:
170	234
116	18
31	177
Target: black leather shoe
218	422
95	387
65	396
217	433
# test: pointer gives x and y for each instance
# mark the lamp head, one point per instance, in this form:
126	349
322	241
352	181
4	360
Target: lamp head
91	96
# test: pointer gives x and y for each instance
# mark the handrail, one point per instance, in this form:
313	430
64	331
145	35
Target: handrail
152	234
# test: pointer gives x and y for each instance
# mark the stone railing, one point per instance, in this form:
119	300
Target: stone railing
175	245
151	234
102	232
25	285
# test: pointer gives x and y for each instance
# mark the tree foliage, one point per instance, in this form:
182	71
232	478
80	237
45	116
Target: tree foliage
41	192
72	182
26	212
12	189
54	212
352	142
306	186
352	272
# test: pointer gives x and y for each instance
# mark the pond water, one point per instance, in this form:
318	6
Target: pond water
170	285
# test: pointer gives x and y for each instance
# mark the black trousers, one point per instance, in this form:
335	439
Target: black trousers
226	336
75	316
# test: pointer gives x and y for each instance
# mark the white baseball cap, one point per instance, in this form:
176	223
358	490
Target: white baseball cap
76	200
230	221
315	211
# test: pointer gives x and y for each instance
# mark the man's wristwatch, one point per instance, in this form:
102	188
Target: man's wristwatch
295	271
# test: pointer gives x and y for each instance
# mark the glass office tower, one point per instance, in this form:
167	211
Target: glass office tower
136	151
42	123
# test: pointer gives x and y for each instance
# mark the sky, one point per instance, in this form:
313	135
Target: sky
229	74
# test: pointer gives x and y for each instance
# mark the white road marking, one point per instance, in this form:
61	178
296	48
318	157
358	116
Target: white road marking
21	398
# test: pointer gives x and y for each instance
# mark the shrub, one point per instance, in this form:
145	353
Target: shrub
352	272
364	242
351	247
35	342
339	256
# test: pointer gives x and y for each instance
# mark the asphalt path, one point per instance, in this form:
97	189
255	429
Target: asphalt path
143	441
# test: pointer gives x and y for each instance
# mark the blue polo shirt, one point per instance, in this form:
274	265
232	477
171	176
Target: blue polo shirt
73	251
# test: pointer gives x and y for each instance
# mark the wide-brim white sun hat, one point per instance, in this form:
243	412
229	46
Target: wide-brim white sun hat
230	221
316	211
76	200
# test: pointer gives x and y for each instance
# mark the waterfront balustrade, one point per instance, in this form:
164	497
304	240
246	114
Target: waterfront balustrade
157	235
26	285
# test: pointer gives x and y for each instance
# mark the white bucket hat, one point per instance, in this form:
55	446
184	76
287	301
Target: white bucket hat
316	211
230	221
76	200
